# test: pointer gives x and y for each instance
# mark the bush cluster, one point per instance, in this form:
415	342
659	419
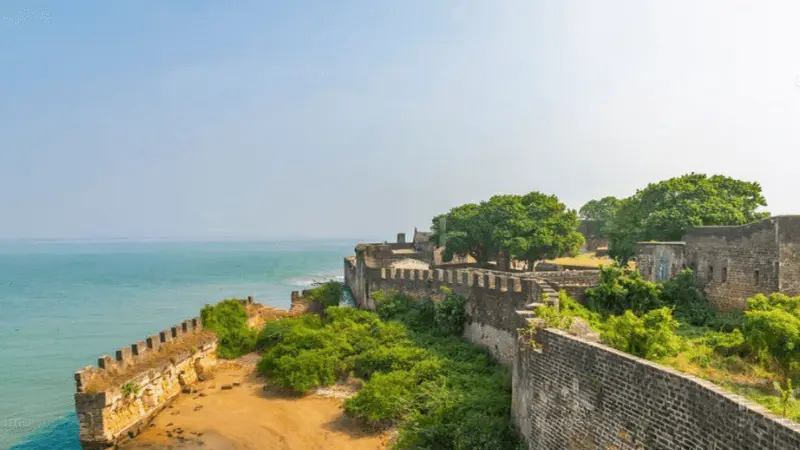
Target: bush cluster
651	335
642	317
329	293
442	392
229	320
622	289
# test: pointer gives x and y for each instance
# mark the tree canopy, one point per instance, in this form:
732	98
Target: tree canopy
601	210
530	227
663	211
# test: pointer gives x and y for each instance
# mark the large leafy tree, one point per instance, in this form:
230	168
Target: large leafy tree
663	211
530	227
601	210
548	231
466	230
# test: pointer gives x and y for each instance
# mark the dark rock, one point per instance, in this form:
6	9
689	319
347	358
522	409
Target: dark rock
186	390
226	387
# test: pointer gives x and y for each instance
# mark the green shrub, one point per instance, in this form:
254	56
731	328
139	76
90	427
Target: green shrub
385	399
307	370
229	320
387	359
776	301
727	321
275	330
449	314
552	317
774	337
561	316
651	336
726	343
328	294
689	302
621	289
417	315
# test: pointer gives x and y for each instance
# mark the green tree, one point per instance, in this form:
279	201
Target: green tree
531	227
547	230
601	210
468	231
663	211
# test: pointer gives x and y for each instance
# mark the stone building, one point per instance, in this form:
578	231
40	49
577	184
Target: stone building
732	263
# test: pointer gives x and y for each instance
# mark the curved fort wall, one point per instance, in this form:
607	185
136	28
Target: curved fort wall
573	393
118	397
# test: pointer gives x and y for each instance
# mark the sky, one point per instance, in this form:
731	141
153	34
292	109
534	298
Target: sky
313	118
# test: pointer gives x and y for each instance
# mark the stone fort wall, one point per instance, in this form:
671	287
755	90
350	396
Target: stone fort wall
731	263
494	298
116	399
575	394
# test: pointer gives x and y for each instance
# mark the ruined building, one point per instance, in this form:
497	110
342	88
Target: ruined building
731	263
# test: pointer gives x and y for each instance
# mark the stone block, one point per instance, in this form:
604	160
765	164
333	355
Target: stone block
82	378
139	349
105	362
124	355
153	342
165	335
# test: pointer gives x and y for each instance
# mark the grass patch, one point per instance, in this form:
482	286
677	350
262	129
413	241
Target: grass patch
584	259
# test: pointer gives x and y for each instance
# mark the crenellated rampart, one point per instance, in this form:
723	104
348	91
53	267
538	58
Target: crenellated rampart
117	398
492	300
571	392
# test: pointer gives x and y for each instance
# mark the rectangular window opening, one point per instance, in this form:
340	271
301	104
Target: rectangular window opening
724	274
710	273
756	277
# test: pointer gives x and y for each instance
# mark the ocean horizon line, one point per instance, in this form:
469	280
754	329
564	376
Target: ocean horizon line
140	240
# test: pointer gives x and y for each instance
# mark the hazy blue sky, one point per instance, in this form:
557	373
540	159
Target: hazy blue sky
293	119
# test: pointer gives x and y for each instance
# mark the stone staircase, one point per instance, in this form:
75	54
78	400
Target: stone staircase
549	297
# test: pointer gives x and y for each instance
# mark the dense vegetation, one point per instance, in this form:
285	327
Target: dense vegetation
328	293
755	353
601	211
417	373
527	227
229	320
663	211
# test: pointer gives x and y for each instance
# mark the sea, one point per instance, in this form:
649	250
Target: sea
63	304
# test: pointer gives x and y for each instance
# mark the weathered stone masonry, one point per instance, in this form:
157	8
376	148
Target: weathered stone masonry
154	371
571	393
574	394
493	298
731	263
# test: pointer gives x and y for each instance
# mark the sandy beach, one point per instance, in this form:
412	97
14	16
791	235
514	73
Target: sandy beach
234	411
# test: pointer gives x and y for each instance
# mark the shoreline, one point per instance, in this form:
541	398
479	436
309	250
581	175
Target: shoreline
235	410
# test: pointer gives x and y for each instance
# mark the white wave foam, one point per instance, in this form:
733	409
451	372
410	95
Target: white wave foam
321	279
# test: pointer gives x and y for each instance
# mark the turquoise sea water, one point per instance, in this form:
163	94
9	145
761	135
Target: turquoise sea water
64	304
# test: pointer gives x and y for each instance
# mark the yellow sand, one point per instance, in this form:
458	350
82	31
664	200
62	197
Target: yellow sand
250	417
